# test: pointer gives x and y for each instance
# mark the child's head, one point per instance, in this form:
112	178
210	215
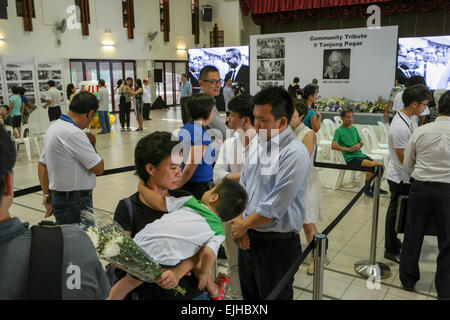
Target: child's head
228	199
3	111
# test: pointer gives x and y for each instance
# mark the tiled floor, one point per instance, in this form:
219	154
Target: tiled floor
349	242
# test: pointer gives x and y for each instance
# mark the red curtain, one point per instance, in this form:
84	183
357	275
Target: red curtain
271	11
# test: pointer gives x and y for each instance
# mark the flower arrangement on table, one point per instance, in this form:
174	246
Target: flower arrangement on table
335	104
116	247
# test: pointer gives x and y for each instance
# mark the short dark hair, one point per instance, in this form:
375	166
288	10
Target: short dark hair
296	80
232	199
416	93
301	107
400	77
345	111
7	158
138	83
83	103
101	83
51	83
243	105
15	90
153	149
309	90
415	80
119	83
444	104
227	77
315	81
207	70
280	100
236	52
200	106
21	91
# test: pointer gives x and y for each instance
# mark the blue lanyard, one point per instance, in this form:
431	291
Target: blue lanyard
67	119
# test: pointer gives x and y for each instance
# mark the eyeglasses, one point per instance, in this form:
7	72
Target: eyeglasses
214	82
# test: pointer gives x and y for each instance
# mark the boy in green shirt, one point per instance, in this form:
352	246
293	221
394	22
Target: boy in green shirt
347	140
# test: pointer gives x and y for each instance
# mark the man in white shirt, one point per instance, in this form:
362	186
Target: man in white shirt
147	99
398	102
427	160
103	107
415	99
233	154
53	101
69	162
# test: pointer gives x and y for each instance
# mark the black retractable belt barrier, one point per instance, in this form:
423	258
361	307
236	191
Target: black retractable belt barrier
294	268
27	191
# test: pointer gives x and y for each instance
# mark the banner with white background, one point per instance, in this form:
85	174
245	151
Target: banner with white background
353	63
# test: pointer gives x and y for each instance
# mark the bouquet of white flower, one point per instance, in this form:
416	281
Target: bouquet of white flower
116	247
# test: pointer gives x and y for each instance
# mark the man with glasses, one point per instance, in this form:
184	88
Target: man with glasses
239	72
210	83
415	99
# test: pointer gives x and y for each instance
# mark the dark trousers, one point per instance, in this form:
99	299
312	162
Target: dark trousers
391	242
54	113
197	189
184	112
124	114
427	200
67	209
264	264
146	114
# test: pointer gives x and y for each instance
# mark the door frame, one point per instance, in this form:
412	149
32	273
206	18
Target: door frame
110	61
174	85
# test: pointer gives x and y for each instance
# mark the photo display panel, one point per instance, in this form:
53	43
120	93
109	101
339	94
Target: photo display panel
352	63
428	57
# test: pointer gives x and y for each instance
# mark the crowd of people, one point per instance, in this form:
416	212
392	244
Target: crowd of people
248	184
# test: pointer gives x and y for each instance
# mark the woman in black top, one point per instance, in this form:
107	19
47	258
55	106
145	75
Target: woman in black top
294	88
161	173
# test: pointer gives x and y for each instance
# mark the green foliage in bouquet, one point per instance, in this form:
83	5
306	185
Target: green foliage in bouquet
116	247
337	104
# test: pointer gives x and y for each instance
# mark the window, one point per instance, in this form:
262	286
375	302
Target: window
195	21
19	8
128	17
164	18
85	16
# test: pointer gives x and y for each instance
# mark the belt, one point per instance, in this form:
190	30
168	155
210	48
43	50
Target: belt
68	194
271	235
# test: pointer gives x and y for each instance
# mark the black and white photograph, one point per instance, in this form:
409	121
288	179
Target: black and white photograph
271	48
336	64
56	75
12	75
26	75
29	87
31	98
232	61
265	84
43	98
428	57
43	86
58	85
271	70
12	85
43	75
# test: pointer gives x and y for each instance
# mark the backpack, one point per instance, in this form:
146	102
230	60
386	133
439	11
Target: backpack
115	274
45	274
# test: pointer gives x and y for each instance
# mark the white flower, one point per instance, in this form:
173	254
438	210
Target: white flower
93	236
112	248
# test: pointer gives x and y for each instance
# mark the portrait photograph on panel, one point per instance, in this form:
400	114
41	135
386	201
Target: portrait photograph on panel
336	64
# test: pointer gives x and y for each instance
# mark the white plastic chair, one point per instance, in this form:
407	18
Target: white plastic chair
371	148
21	140
324	144
340	176
383	131
338	122
377	142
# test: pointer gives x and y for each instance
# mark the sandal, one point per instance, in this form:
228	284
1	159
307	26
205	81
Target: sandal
224	285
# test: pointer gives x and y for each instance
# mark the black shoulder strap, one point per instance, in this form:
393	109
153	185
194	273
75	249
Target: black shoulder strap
46	259
130	210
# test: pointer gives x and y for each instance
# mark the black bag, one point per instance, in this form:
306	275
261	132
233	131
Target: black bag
115	274
402	211
45	276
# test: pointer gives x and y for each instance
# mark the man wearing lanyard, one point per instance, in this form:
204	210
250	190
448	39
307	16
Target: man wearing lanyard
185	93
267	232
415	99
69	162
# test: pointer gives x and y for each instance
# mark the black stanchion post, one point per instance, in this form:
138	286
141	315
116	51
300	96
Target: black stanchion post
320	249
373	269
